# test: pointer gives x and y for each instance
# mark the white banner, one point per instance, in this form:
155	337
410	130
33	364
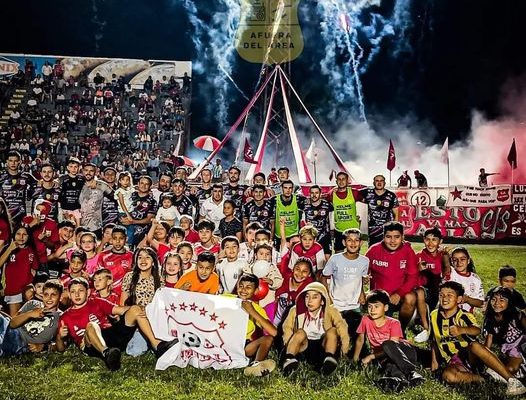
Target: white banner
211	329
479	196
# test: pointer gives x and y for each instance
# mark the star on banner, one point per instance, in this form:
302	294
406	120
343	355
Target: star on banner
182	306
222	325
456	193
213	317
193	307
173	307
202	311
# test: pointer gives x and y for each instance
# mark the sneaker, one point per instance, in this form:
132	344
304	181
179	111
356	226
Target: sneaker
415	379
329	365
493	374
515	387
290	365
112	358
422	337
260	368
391	384
164	346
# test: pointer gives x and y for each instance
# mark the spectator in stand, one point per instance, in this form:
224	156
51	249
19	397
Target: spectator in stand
98	80
217	171
404	180
47	71
483	177
421	180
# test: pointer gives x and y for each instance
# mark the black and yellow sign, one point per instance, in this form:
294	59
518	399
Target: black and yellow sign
269	31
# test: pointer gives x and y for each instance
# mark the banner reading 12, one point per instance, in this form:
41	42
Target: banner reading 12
269	31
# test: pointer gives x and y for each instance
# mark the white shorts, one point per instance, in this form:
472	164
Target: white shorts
15	299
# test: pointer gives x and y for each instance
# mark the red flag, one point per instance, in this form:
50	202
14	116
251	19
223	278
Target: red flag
512	156
391	157
248	153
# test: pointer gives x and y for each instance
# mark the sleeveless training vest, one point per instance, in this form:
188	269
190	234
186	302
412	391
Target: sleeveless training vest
344	212
291	214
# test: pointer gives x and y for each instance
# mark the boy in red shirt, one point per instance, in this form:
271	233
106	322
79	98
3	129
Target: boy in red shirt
207	240
102	282
87	324
117	259
393	268
430	274
387	343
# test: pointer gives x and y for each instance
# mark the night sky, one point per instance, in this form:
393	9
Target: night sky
462	53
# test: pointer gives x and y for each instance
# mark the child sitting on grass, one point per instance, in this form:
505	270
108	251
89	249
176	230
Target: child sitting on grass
508	279
455	349
86	323
315	329
386	339
505	327
203	279
257	345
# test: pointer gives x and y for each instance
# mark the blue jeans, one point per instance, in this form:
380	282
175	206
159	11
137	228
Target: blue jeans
11	343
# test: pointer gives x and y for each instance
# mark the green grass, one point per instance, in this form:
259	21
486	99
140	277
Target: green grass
72	375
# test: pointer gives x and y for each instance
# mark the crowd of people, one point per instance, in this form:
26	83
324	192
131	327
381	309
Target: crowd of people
85	251
104	121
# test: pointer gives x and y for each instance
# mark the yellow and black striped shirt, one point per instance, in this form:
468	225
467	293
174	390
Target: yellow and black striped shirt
447	344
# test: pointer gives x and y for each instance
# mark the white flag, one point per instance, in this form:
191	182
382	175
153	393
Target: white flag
211	329
444	152
310	154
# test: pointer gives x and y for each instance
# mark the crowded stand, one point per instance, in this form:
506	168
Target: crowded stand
96	218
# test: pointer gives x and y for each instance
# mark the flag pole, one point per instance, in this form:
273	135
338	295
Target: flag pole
315	172
390	184
513	166
448	171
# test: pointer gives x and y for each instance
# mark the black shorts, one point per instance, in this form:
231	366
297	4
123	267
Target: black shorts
338	242
326	243
118	335
314	354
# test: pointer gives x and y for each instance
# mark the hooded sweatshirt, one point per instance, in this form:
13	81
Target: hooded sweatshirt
331	317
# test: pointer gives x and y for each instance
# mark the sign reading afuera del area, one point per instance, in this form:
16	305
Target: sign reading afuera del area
269	31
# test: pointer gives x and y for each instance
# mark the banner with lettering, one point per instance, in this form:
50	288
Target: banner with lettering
211	329
518	212
472	223
479	196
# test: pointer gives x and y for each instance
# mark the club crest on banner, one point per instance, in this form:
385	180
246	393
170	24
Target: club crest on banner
211	329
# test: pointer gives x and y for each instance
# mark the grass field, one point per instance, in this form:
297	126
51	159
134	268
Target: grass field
74	376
